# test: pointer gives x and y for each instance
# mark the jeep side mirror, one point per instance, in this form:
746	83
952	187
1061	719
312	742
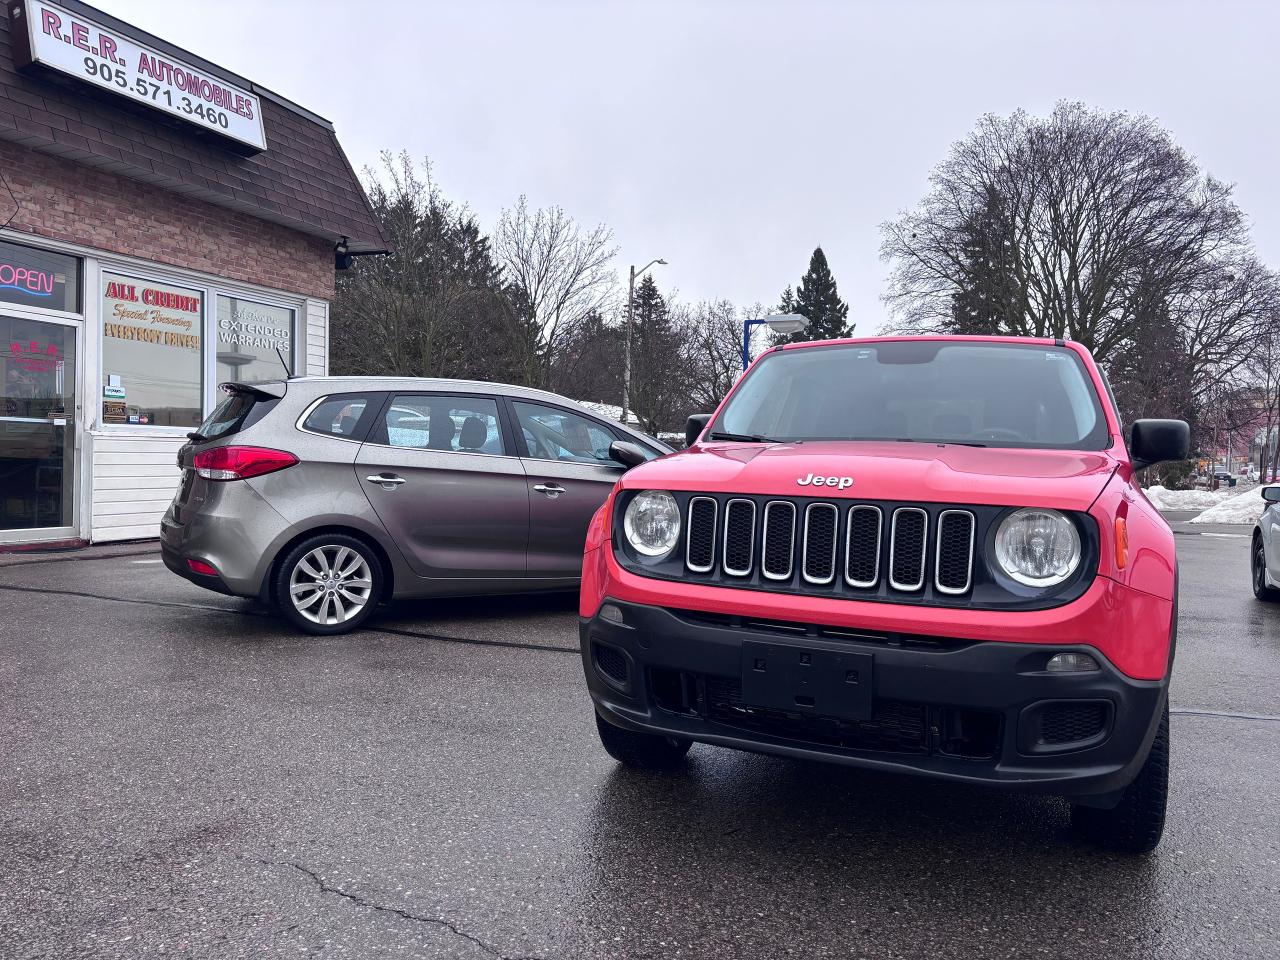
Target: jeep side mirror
626	453
694	426
1271	494
1155	441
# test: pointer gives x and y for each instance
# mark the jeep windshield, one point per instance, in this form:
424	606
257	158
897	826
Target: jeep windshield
923	391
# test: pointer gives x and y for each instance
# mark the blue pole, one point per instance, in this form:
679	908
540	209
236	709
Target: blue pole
746	342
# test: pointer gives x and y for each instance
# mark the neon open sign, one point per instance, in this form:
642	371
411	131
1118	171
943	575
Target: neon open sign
39	278
37	283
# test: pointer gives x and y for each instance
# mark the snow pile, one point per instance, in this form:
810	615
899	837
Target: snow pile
1242	508
609	411
1165	499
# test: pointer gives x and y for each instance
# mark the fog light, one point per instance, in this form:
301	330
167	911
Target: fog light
612	614
1072	663
202	568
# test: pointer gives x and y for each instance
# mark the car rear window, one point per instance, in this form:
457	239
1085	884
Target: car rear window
239	410
342	415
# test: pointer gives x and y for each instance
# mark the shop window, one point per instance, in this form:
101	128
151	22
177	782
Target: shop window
39	278
152	353
251	337
37	432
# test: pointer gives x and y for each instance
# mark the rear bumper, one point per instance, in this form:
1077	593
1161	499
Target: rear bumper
971	711
235	531
177	563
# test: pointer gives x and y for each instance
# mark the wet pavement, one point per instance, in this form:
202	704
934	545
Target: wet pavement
182	774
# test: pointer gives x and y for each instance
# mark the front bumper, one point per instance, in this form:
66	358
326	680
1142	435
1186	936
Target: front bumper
971	711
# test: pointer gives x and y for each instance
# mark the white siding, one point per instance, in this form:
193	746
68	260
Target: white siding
317	345
133	476
133	479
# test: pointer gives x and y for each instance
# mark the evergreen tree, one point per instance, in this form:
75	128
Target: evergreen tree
657	354
818	299
986	299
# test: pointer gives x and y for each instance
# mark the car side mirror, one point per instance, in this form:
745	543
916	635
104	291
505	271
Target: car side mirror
1271	494
626	453
694	426
1155	441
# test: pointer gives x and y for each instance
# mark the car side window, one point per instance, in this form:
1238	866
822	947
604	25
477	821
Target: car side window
549	433
443	422
337	416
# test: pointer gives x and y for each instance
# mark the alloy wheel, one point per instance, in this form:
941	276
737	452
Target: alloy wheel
330	585
1259	571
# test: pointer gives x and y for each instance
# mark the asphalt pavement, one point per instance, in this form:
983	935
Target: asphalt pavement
182	774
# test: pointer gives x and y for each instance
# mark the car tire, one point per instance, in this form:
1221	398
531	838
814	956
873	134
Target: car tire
1258	574
329	584
1136	824
641	751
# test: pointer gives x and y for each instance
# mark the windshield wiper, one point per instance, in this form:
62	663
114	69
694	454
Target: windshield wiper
195	437
942	443
741	437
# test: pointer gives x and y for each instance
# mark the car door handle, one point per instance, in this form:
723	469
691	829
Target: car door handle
388	481
552	490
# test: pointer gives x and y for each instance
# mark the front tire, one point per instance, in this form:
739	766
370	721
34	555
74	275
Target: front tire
1136	824
641	751
329	584
1258	571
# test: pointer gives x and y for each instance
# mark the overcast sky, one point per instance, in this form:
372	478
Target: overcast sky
732	137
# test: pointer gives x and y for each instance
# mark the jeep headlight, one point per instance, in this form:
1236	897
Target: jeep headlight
652	523
1040	548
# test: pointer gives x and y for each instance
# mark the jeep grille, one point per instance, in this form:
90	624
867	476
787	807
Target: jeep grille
825	542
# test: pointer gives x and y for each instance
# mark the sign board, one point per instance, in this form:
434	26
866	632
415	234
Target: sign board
84	49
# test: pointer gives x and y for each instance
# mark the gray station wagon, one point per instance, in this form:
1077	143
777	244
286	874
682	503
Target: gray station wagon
326	495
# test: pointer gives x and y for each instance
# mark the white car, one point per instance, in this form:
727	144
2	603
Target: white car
1264	556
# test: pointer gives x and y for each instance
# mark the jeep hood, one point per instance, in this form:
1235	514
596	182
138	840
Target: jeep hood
924	472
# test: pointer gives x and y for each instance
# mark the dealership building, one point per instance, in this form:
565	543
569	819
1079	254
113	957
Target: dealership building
165	226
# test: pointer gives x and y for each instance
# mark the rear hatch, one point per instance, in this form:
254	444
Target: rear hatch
243	405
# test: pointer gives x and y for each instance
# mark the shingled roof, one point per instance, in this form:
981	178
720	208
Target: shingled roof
302	180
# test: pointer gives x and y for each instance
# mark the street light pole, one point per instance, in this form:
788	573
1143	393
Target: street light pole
626	363
778	323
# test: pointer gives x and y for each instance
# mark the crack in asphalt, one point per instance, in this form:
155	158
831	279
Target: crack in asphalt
266	614
325	887
15	588
1224	714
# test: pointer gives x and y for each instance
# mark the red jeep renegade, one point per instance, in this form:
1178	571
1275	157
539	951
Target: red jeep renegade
927	555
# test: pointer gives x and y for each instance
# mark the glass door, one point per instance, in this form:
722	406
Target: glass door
38	364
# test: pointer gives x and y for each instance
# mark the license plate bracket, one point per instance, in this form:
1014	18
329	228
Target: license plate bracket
813	678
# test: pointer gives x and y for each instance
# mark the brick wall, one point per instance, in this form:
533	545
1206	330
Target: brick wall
66	201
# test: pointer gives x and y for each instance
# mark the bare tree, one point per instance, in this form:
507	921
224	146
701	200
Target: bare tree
564	273
1223	315
713	347
1263	371
1085	218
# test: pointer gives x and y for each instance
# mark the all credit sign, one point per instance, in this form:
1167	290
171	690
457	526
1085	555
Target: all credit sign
82	48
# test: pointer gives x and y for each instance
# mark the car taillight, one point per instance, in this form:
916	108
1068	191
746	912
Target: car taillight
240	463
